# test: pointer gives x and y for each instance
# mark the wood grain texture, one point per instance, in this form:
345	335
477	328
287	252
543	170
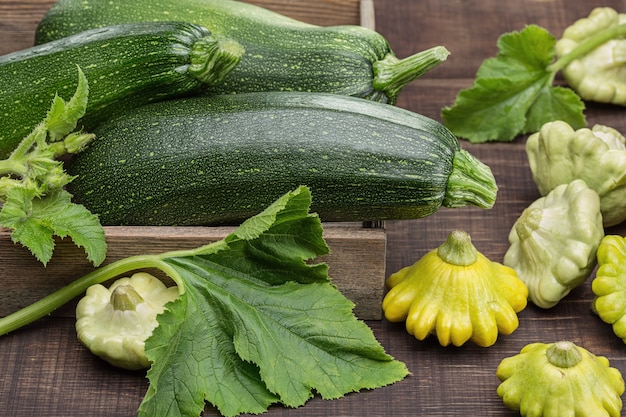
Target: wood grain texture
356	262
319	12
18	21
46	372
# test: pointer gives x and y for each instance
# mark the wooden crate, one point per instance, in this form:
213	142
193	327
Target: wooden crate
357	261
324	12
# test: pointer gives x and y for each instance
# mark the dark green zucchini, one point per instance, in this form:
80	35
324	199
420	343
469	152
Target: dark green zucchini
125	65
282	54
219	160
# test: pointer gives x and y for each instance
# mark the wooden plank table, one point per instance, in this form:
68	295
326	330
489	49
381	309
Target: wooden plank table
45	371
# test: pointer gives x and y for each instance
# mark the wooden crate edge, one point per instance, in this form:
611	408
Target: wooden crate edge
367	14
356	263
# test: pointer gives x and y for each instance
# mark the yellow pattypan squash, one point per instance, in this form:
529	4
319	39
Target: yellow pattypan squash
609	284
458	294
560	379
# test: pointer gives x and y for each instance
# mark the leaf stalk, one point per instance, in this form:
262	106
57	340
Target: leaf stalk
62	296
591	43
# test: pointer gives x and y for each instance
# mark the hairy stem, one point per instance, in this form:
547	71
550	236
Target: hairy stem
10	166
64	295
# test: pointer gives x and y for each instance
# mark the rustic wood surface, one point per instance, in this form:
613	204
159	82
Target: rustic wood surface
45	371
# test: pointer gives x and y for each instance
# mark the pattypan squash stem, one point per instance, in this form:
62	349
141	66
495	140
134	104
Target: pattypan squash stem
563	354
458	249
588	45
62	296
125	298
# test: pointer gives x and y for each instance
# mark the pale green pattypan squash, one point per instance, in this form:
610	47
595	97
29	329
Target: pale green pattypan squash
609	284
558	154
457	293
553	243
558	380
600	74
115	322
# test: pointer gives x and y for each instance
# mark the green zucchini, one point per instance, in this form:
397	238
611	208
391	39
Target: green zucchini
219	160
126	66
282	54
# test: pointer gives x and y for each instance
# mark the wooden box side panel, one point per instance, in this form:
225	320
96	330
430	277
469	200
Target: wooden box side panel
356	262
317	12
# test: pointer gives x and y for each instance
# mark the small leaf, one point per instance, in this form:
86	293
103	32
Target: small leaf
493	109
513	92
36	219
32	234
63	116
34	202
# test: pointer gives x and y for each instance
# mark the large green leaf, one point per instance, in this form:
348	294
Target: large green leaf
257	324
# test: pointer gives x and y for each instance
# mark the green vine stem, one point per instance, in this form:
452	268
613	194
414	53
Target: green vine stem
50	303
588	45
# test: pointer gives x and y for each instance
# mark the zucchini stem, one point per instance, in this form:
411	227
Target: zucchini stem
392	74
213	58
470	183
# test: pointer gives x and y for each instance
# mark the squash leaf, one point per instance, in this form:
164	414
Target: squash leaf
35	220
258	324
513	93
